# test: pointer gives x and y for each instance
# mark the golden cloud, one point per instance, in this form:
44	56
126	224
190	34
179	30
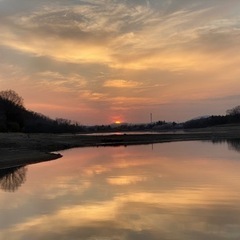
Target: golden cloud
118	83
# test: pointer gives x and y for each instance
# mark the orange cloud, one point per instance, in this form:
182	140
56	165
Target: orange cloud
118	83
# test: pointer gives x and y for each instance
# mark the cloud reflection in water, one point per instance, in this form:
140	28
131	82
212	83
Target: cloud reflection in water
132	193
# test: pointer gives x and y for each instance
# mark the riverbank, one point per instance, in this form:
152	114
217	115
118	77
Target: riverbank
19	157
22	149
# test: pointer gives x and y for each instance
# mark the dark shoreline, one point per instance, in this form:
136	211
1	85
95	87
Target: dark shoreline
22	149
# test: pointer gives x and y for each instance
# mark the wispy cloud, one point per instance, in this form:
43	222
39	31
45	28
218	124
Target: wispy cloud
59	82
117	34
119	83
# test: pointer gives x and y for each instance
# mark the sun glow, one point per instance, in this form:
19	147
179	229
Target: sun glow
117	122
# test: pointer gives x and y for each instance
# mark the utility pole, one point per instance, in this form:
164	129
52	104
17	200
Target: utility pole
151	117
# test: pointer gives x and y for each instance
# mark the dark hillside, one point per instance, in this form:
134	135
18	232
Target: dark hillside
14	117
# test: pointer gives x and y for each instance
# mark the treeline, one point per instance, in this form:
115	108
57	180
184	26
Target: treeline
125	127
14	117
232	117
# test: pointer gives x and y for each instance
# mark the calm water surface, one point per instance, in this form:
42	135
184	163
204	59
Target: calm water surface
170	191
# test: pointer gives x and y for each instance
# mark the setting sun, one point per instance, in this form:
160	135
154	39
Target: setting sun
117	122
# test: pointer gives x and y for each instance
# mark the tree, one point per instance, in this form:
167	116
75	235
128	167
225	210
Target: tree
234	111
11	111
12	97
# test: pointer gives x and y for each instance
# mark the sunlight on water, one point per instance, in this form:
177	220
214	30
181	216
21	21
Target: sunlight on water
185	190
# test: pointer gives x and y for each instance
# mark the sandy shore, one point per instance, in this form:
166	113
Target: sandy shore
21	149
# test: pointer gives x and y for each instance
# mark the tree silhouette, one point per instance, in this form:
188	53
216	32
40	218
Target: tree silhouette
11	111
234	111
12	97
12	178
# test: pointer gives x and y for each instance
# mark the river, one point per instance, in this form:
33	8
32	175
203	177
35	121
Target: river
167	191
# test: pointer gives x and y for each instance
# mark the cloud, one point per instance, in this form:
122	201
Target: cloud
94	32
77	33
119	83
60	82
122	35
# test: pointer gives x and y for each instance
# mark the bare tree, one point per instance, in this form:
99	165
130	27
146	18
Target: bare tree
234	111
12	97
63	121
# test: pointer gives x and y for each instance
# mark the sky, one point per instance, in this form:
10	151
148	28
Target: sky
102	61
